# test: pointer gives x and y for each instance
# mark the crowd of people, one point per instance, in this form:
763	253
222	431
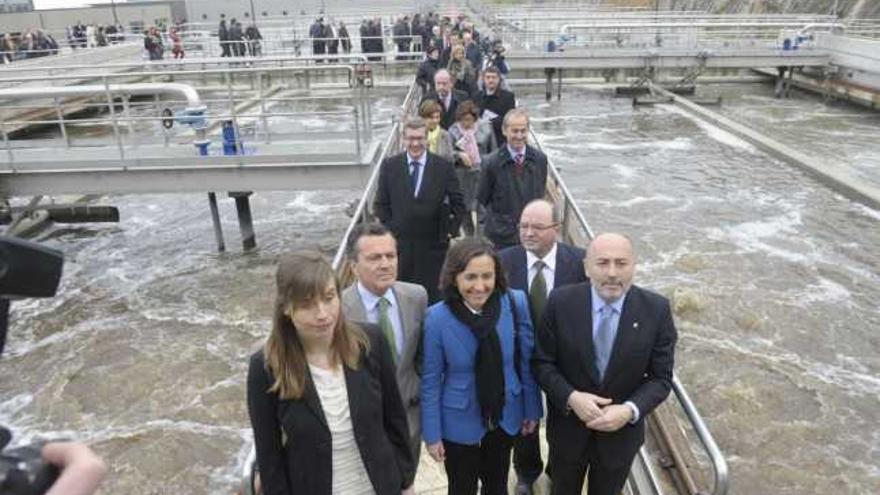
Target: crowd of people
466	309
238	42
30	43
92	35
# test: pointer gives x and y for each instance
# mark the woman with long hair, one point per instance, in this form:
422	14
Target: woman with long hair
478	393
322	396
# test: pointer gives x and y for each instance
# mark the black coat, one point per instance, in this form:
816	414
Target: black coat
425	75
434	215
640	369
505	193
449	114
304	464
500	102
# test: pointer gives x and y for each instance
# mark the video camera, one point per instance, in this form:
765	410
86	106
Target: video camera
26	270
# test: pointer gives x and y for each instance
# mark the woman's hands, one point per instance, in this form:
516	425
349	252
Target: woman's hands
528	426
436	451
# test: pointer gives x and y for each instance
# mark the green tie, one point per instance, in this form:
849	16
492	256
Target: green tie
538	293
385	325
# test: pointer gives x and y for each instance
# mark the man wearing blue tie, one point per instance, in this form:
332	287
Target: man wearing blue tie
419	200
604	357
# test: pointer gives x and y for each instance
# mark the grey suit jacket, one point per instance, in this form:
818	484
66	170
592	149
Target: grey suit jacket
413	301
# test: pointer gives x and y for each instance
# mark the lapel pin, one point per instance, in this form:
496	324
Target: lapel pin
636	326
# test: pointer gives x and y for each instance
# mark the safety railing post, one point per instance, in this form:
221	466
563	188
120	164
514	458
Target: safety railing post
7	145
266	131
110	106
61	126
357	133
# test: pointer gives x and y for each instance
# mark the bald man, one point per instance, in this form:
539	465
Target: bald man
604	357
447	96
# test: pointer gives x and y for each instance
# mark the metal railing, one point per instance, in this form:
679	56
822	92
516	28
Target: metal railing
258	107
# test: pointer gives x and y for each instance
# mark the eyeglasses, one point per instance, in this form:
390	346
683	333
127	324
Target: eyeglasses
537	227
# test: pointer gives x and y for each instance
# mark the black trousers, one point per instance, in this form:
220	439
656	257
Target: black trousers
419	262
488	462
527	456
568	476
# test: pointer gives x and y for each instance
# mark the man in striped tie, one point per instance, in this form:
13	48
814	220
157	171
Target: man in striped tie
397	307
604	357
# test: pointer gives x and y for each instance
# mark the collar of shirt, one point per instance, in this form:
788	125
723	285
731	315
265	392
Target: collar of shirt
514	152
599	303
421	159
549	260
371	301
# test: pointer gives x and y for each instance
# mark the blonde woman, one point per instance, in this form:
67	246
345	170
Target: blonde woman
322	396
463	73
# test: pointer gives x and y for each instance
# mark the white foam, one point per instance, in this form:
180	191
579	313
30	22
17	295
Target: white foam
753	236
624	171
680	143
825	291
712	131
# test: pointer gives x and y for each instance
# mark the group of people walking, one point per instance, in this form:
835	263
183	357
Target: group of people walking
30	43
327	39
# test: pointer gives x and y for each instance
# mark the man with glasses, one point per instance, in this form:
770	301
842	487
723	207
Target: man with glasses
538	265
512	176
419	200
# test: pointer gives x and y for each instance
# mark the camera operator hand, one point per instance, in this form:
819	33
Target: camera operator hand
81	469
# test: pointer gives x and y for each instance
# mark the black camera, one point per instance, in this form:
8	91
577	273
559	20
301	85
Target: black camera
26	270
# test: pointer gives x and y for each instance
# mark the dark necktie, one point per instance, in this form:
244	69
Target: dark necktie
519	159
387	328
538	294
604	340
414	176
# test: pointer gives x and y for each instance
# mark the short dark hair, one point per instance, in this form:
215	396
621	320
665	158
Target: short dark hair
467	107
492	69
457	258
363	230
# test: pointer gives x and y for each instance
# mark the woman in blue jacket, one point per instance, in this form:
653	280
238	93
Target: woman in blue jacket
477	390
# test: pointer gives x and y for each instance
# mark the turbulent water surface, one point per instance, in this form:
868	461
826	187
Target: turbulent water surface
774	278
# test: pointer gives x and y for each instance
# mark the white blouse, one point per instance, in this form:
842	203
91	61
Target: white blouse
349	474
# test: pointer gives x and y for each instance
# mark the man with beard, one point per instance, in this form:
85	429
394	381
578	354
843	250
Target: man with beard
604	358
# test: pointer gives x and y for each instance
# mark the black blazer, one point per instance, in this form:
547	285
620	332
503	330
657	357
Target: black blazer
434	215
458	96
569	266
303	464
640	368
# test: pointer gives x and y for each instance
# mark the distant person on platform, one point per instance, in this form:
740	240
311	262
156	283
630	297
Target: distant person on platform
344	38
316	32
538	265
397	307
446	96
604	358
418	198
223	36
427	69
512	176
402	37
495	102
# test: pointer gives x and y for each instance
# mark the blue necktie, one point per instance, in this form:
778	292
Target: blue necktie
414	176
604	340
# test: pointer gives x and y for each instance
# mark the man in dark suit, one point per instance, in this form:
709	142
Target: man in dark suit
495	102
537	266
397	307
604	358
446	96
418	198
512	176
